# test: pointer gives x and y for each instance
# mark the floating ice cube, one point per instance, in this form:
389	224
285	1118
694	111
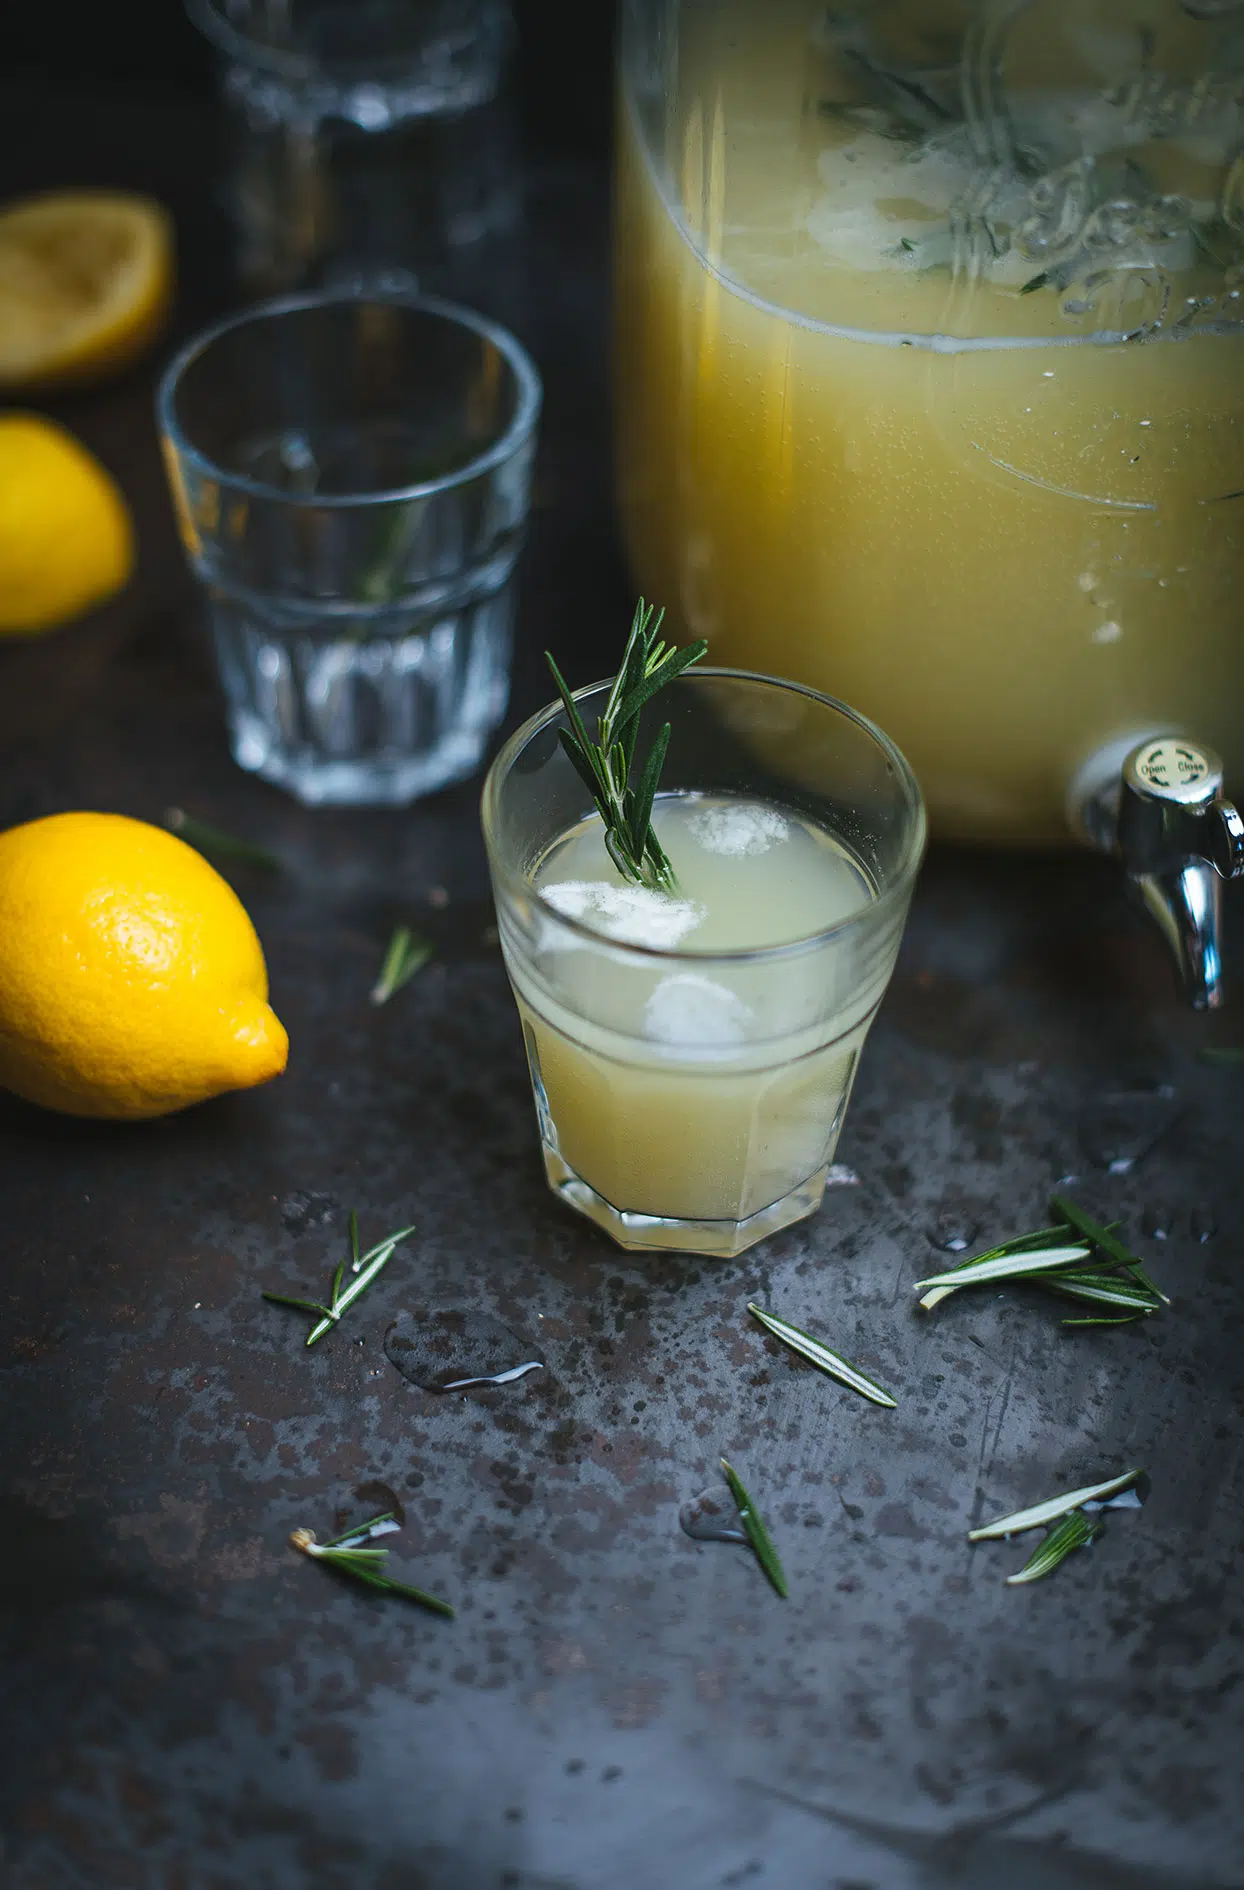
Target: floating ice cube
687	1008
736	830
636	915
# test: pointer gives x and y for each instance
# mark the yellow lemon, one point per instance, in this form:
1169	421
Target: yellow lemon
66	541
86	280
131	979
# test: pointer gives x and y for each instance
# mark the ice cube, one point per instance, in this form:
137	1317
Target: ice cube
635	915
689	1009
737	830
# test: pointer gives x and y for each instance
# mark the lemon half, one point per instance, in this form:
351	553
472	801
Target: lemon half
86	280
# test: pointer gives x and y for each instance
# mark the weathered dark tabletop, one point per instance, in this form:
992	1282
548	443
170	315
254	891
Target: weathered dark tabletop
188	1705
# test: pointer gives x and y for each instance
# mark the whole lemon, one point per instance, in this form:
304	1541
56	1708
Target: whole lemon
131	979
66	541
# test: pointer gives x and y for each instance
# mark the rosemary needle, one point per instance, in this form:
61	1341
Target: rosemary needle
1074	1532
408	953
207	839
1057	1506
757	1535
818	1354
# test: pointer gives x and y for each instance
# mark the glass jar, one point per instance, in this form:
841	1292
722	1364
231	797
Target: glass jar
930	359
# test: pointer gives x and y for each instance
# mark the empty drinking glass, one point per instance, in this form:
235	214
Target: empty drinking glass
369	143
351	477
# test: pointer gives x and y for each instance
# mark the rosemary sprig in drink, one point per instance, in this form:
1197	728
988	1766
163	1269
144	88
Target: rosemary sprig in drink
757	1535
364	1267
606	766
351	1554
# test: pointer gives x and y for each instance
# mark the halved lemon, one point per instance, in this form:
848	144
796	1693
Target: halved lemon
86	278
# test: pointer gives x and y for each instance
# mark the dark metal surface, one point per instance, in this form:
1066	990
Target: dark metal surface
188	1705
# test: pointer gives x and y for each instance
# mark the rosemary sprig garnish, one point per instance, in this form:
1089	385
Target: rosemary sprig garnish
1077	1257
350	1554
1057	1506
757	1535
818	1354
606	766
364	1267
408	953
207	839
1074	1532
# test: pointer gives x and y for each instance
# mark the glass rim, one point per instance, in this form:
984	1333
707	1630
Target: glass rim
518	886
521	425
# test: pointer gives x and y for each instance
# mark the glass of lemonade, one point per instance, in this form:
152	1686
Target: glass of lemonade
692	1052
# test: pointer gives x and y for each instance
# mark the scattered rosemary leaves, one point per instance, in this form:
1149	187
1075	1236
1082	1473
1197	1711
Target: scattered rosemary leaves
1056	1507
606	766
1076	1257
197	833
408	953
364	1267
818	1354
352	1554
1073	1528
759	1539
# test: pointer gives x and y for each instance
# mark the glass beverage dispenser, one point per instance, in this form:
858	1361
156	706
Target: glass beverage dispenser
930	357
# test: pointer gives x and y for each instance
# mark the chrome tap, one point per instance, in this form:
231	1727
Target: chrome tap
1163	815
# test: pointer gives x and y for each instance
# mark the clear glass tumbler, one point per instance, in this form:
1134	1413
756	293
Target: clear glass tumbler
369	142
692	1098
351	477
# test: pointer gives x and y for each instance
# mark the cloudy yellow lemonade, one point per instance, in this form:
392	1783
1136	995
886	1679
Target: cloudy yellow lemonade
860	448
686	1085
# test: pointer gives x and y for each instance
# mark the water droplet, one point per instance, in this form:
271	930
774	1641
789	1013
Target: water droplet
1204	1223
1135	1498
302	1210
378	1499
711	1517
838	1175
954	1227
1119	1130
454	1349
1155	1223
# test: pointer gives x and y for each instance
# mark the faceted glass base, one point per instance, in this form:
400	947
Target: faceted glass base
370	720
659	1233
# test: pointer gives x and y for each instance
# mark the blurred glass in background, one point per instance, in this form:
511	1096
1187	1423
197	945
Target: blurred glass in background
371	144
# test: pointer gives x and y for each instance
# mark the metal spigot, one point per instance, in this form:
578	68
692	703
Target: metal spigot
1178	839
